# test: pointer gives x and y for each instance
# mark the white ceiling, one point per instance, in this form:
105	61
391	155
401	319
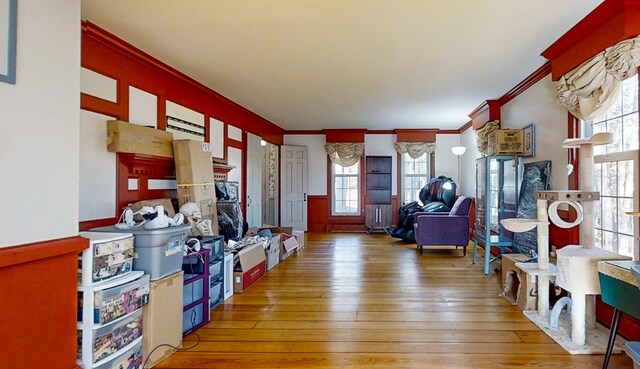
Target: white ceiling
377	64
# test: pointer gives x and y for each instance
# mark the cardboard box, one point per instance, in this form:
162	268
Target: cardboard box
519	288
288	243
505	142
136	139
162	318
300	237
194	174
288	246
272	252
252	267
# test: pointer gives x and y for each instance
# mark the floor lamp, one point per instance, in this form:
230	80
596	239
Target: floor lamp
458	151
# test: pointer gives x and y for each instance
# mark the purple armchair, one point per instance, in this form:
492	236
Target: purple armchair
444	229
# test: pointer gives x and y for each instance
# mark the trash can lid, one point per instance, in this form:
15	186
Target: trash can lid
633	350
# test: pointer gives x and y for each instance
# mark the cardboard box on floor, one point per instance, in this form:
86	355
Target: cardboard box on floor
519	288
288	243
136	139
162	318
272	252
252	266
194	174
300	237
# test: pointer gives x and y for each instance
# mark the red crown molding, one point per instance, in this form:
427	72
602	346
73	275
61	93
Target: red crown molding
609	23
416	135
488	111
117	44
465	126
531	80
304	132
345	135
381	131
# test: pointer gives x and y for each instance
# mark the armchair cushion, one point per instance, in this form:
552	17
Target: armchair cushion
462	206
442	230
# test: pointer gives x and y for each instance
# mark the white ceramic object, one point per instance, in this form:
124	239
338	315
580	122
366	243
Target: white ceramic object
555	217
519	225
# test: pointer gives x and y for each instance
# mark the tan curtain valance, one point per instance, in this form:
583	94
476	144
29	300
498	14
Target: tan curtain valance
345	154
415	149
591	88
482	135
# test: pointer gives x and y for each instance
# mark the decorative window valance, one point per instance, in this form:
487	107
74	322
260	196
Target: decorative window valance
415	149
345	154
591	88
482	135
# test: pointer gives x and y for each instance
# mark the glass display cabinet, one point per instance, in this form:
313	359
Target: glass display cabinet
496	199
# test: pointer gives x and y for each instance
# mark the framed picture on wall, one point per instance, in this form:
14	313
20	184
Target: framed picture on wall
529	141
8	29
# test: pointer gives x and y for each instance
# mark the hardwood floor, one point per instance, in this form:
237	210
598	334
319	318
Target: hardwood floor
370	301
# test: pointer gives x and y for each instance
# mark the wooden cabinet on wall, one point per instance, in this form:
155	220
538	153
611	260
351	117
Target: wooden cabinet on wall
378	193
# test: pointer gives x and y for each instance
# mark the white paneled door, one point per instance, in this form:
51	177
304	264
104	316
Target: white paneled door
255	158
293	179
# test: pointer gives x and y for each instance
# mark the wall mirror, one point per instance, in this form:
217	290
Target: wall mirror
8	31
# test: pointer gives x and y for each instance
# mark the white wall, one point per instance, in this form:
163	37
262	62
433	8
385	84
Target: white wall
234	157
468	163
39	132
317	160
537	104
384	145
446	162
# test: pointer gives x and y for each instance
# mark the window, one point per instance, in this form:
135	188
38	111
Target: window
346	189
415	175
616	173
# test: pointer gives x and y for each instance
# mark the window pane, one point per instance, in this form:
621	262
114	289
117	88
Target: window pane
630	139
630	95
614	126
609	213
597	180
609	176
625	222
352	169
600	127
610	241
625	245
625	178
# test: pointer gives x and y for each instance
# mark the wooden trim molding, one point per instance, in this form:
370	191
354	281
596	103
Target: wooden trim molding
488	111
38	284
345	135
465	126
304	132
531	80
416	135
609	23
107	54
30	252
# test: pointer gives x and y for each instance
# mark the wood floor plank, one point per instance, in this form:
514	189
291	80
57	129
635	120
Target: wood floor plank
360	301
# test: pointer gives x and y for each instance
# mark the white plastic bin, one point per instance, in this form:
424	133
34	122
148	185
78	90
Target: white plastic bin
112	303
131	359
108	256
158	252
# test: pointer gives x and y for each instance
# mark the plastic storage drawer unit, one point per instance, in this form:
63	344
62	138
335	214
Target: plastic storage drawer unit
110	304
192	292
131	359
158	252
108	256
110	339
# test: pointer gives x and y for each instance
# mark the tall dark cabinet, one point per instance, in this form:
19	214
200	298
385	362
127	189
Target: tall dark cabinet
378	193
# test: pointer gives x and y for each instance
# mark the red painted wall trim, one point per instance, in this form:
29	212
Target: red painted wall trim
488	111
465	126
381	131
345	135
416	135
234	143
304	132
41	250
317	221
38	284
609	23
531	80
107	54
100	106
95	223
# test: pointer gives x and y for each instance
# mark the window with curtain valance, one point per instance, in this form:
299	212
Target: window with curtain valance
345	154
591	88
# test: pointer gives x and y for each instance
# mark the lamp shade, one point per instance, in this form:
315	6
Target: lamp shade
458	150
